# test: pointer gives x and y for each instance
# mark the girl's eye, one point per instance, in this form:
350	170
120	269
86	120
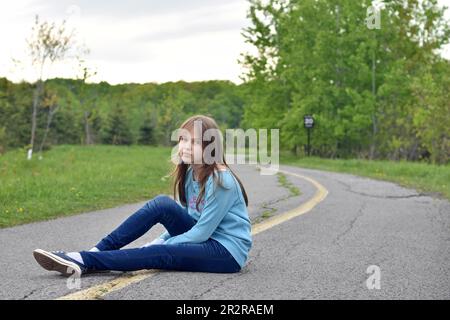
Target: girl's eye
184	139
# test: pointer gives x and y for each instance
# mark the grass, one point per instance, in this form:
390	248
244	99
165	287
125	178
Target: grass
426	178
73	179
282	182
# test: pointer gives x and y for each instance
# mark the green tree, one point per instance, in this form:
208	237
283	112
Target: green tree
15	100
431	115
117	130
2	140
48	43
356	82
147	131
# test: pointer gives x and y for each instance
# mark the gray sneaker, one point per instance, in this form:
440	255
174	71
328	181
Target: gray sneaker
58	261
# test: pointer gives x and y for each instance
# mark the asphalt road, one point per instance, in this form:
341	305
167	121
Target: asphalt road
323	254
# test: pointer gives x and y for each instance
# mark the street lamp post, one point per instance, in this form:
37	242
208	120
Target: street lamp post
308	122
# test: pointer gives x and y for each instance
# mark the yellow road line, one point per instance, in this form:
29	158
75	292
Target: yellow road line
98	291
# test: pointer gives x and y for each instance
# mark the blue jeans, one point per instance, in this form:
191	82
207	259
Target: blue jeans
208	256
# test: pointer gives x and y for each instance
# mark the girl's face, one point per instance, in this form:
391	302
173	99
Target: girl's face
190	148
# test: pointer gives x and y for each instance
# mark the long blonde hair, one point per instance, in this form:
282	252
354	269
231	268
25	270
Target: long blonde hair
179	171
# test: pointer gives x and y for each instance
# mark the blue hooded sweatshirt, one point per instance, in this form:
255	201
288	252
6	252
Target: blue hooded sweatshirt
223	215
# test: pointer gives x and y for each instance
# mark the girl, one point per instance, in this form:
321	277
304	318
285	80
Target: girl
208	228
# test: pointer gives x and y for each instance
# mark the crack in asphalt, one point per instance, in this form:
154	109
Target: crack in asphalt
243	272
349	189
360	213
221	282
254	257
198	296
269	205
443	215
29	294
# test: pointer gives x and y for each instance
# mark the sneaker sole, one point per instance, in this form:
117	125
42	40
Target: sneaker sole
51	262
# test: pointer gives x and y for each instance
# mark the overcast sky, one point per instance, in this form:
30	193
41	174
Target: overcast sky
136	40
